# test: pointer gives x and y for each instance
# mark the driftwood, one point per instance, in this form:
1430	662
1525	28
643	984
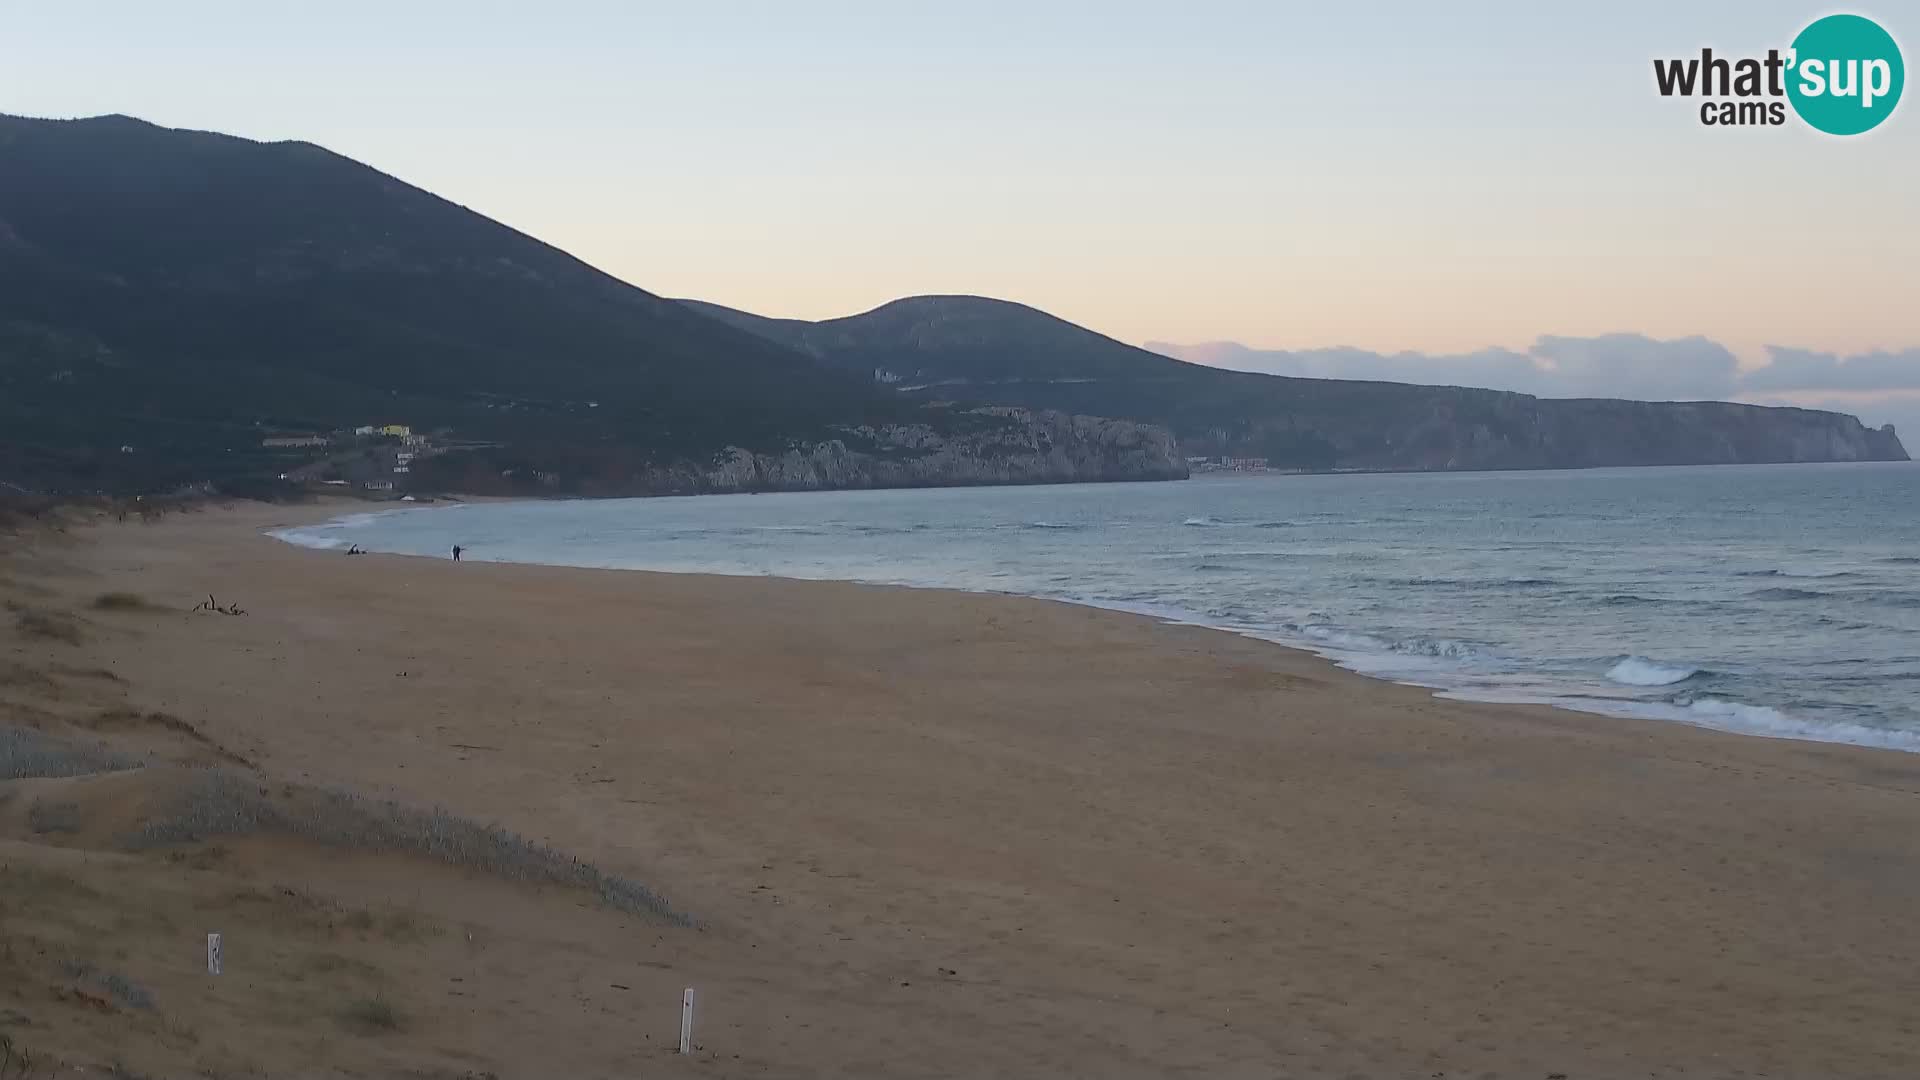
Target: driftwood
210	605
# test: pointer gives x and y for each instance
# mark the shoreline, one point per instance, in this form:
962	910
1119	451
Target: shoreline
939	833
1718	714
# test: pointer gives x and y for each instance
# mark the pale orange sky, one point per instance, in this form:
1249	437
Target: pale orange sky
1398	177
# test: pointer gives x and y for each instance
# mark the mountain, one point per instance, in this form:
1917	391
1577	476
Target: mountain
958	340
974	349
171	302
169	299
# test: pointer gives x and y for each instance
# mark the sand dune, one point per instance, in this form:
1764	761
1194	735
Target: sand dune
921	834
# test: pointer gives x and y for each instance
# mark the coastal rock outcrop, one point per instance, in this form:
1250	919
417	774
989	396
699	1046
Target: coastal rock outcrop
1000	446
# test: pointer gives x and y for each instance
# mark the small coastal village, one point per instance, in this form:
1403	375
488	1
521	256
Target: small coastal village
1221	463
375	458
372	460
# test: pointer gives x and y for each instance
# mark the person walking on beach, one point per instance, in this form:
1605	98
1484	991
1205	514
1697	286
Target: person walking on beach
456	553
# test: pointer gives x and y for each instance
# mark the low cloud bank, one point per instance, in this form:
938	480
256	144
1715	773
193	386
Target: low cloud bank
1879	387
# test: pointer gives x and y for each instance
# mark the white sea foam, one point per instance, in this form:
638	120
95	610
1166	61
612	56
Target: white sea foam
1443	648
357	521
1773	723
308	538
1379	656
321	537
1640	671
1337	638
1719	714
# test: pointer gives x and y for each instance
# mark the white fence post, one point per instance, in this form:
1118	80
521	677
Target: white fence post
213	954
686	1021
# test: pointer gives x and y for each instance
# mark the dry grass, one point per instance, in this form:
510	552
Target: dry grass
100	673
326	963
53	817
23	884
217	802
124	991
221	803
134	720
397	925
371	1014
14	586
125	601
17	1061
28	754
47	626
22	677
18	512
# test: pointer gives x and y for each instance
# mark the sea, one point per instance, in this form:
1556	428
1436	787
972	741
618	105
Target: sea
1779	600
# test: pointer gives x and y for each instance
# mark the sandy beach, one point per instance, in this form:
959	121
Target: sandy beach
919	833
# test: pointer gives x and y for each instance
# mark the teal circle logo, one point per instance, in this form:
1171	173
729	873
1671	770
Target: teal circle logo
1846	74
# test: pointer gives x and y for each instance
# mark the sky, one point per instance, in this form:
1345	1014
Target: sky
1406	184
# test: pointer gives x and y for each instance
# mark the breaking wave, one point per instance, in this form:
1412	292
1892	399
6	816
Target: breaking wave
320	537
1777	724
1640	671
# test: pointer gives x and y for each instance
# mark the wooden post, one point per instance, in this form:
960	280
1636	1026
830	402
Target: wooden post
213	954
686	1021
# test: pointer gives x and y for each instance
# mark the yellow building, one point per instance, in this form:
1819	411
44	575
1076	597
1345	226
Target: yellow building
398	430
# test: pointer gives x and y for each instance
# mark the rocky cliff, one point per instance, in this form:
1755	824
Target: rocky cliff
1006	446
1582	432
1486	429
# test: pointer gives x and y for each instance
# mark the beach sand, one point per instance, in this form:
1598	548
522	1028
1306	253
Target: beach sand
922	833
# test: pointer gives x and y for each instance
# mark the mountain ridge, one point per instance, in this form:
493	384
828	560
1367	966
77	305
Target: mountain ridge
1293	422
169	298
173	303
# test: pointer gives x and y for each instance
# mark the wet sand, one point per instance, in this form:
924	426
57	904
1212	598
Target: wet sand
937	834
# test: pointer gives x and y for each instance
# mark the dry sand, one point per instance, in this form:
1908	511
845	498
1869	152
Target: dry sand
924	833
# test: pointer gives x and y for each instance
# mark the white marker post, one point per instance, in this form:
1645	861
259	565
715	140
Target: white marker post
686	1021
213	954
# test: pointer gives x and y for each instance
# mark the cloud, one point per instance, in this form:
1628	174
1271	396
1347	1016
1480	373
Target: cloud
1501	368
1803	369
1684	369
1610	365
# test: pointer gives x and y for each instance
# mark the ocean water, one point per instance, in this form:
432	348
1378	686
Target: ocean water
1774	600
